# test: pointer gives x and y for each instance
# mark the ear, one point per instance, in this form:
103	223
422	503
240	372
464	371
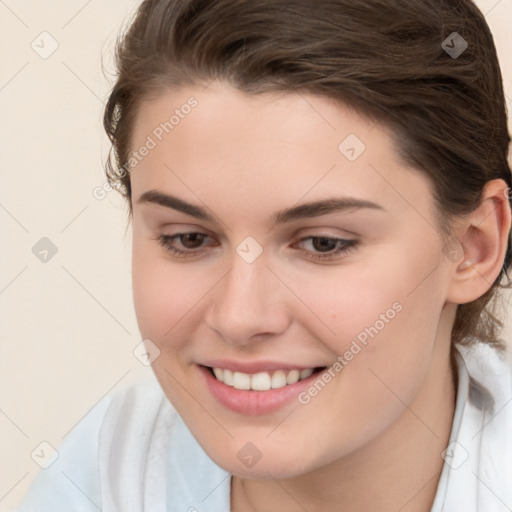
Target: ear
483	235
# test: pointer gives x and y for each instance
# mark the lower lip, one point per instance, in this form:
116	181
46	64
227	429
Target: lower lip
250	402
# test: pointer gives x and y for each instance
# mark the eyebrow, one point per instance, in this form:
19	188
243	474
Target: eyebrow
303	211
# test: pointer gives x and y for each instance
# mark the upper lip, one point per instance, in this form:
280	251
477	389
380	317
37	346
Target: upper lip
255	366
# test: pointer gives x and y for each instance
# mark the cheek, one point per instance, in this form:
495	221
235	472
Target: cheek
166	298
349	299
150	292
162	293
388	309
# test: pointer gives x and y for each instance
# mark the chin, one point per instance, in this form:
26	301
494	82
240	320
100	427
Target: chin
269	470
267	464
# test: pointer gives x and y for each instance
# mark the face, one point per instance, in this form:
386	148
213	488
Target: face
295	240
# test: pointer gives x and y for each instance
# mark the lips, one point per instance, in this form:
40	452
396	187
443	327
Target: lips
257	391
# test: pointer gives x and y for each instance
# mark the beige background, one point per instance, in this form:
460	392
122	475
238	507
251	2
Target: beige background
68	326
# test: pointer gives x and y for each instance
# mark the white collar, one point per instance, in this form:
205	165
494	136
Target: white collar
195	482
478	475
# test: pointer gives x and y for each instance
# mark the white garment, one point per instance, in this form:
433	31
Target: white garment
133	453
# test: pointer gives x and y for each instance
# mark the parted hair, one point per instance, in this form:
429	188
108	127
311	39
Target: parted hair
386	59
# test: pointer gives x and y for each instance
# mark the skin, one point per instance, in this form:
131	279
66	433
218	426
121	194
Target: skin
376	432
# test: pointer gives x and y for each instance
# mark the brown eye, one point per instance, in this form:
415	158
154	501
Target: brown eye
325	248
186	245
192	240
324	244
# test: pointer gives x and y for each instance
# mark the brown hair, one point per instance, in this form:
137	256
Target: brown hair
385	58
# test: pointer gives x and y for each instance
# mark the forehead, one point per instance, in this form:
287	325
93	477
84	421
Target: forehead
268	149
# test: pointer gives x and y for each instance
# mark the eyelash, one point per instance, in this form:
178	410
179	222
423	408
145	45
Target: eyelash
166	241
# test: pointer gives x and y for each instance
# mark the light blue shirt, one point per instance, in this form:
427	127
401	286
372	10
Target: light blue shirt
134	453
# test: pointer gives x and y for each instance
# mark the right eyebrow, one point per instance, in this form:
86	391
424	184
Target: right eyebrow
157	197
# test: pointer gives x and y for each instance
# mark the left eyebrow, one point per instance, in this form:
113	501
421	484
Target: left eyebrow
324	207
303	211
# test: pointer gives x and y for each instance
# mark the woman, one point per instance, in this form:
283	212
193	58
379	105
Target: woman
319	198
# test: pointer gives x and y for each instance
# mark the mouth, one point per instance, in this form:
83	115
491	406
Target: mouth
262	381
259	392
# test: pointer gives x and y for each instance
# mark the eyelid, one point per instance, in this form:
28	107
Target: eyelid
325	231
297	237
348	245
183	228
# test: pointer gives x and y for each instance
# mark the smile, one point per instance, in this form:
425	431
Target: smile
263	388
261	381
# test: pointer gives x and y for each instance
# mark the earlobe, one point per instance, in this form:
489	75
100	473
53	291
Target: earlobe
484	236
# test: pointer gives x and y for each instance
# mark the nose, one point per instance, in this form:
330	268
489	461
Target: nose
249	304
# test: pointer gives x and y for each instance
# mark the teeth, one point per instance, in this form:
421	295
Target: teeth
241	380
304	374
293	377
262	381
219	374
278	379
228	377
